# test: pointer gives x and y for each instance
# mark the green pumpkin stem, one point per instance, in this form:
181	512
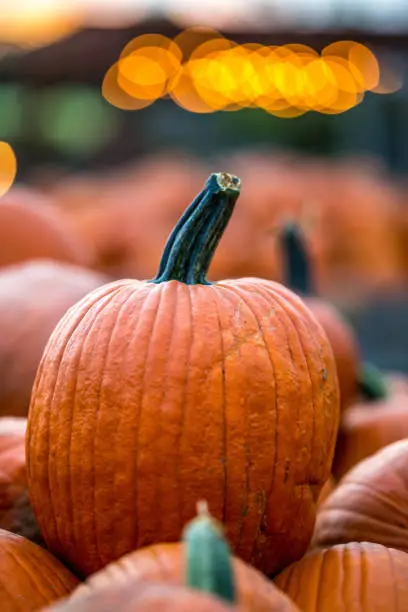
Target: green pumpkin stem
208	559
296	260
191	245
371	383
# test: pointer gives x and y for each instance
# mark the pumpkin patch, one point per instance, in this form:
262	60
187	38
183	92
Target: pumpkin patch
134	385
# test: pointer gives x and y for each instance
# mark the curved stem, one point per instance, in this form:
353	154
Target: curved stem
296	260
191	245
371	383
208	560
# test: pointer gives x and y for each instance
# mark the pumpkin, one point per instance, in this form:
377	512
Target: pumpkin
328	488
144	597
370	504
202	561
357	577
371	424
15	509
31	228
30	577
225	390
298	277
33	297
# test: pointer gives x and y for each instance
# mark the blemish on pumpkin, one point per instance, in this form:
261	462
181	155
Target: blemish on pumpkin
286	473
260	501
324	374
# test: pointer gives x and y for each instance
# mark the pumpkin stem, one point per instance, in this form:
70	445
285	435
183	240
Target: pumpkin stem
208	559
371	383
192	243
296	260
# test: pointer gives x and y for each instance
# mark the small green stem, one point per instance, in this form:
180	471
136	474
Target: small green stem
191	245
208	559
298	272
371	383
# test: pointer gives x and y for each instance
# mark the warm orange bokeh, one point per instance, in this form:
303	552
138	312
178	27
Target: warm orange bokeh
203	72
8	167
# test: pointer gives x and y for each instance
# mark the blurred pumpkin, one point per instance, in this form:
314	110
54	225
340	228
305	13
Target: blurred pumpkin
357	577
30	577
16	514
31	228
139	596
370	504
372	424
298	277
226	390
33	297
202	562
358	218
132	214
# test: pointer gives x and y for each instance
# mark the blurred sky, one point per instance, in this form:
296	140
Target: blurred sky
384	14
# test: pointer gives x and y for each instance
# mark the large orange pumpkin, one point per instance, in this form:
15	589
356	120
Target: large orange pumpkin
371	424
357	577
15	509
153	394
200	562
32	229
30	577
370	504
33	297
298	277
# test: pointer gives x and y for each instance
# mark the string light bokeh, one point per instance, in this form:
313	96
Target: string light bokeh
217	74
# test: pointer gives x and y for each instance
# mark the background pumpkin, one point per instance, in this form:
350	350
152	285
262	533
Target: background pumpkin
31	228
247	414
372	424
128	217
370	504
16	514
30	578
357	577
298	277
33	297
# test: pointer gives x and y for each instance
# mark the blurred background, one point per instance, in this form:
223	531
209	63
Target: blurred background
113	113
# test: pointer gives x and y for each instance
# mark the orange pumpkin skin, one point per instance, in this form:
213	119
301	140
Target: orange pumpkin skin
368	427
370	504
165	563
15	509
30	577
344	345
26	323
224	391
357	577
131	596
32	229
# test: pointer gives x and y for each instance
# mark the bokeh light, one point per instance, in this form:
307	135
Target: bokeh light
203	72
8	167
